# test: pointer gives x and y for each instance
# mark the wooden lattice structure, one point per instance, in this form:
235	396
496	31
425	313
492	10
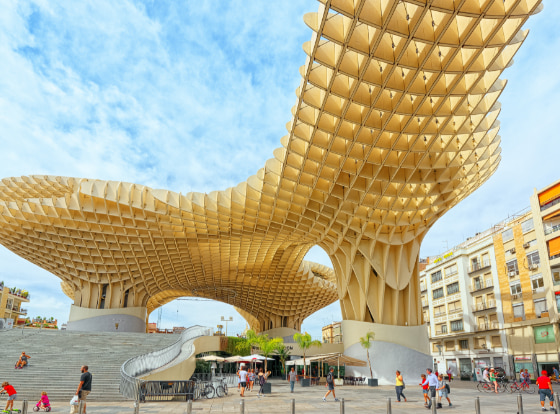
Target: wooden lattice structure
395	123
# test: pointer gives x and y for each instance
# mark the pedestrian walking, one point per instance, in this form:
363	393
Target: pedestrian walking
545	390
443	391
330	385
262	380
449	374
83	390
432	382
243	380
399	386
425	388
556	375
292	377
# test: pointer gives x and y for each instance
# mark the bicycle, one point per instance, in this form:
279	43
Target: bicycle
202	390
484	386
221	389
521	387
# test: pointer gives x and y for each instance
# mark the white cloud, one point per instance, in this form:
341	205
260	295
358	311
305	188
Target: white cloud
195	98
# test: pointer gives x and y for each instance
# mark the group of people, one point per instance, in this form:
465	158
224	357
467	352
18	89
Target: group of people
247	378
83	390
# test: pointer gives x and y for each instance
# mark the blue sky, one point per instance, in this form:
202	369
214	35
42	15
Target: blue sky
195	97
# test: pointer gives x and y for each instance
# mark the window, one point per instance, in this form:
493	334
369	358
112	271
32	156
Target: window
544	334
439	310
436	276
453	288
555	276
496	342
464	344
475	264
558	302
512	268
437	293
456	325
518	310
450	346
485	260
454	306
537	283
540	307
451	270
507	235
527	225
515	288
443	328
533	259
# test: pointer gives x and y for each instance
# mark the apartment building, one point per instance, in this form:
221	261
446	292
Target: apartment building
11	301
332	333
509	294
461	302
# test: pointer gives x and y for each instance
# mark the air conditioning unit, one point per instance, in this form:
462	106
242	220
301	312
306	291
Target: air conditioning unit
533	267
512	250
512	273
516	296
526	245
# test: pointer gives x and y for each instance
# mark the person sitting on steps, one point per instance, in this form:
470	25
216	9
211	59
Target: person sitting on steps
22	361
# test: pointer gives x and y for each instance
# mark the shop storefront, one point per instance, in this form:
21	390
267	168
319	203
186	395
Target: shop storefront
465	368
524	363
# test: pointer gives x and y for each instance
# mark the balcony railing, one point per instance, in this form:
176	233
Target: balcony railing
552	203
491	304
487	326
440	332
425	304
552	229
423	287
538	290
481	285
475	267
456	310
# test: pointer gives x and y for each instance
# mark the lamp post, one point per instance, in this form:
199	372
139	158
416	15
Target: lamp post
223	319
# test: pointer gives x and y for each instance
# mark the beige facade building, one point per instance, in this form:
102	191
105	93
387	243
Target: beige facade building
332	333
509	313
12	301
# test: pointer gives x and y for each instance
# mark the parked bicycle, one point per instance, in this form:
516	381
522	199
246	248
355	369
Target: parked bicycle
207	389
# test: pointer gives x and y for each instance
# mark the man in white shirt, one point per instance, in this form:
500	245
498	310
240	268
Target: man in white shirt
485	375
243	379
432	382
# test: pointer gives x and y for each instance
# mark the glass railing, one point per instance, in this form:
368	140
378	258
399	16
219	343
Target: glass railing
552	229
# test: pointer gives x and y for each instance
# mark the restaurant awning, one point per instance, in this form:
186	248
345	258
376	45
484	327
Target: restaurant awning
331	359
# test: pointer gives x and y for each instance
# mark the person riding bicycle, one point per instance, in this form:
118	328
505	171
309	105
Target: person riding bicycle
493	379
485	376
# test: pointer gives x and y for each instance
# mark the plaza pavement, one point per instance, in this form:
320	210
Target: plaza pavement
358	399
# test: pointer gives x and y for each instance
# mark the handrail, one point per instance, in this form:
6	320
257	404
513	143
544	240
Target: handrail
141	365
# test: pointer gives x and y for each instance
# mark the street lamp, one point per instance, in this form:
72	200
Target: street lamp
223	319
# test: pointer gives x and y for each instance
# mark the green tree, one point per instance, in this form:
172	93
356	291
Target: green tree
242	346
365	342
305	342
283	353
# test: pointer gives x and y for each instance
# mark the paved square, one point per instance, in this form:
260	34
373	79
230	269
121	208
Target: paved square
357	399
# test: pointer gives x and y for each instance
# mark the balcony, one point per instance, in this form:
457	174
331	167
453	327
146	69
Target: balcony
425	304
478	267
538	290
487	326
550	230
441	332
423	287
479	307
457	310
552	203
20	311
481	286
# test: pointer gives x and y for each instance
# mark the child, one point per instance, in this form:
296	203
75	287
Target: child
442	390
12	395
425	388
44	401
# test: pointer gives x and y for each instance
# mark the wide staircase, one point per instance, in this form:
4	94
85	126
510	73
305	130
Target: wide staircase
56	358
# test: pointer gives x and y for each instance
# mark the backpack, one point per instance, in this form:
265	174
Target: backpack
329	378
447	389
262	380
